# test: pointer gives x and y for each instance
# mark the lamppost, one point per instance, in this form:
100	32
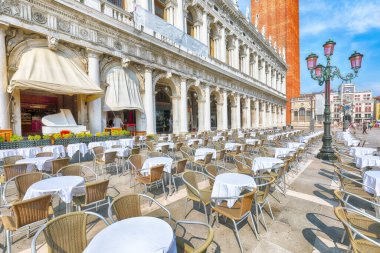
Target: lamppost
324	74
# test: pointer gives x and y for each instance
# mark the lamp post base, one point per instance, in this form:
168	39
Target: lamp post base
327	155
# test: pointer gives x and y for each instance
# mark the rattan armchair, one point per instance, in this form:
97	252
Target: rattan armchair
150	145
106	160
58	163
184	246
188	153
241	166
26	213
263	186
95	196
239	212
66	233
354	186
78	170
203	162
177	171
194	193
10	160
360	243
165	149
154	177
129	206
221	157
44	154
231	154
136	162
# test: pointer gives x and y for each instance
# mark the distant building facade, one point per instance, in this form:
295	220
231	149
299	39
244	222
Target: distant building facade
305	108
376	108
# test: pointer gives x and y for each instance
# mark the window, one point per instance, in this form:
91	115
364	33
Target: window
159	8
190	24
118	3
212	43
302	114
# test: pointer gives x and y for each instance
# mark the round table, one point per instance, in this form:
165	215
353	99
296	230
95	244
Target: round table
251	141
295	145
217	138
73	148
7	152
94	144
160	144
138	234
367	160
371	181
200	153
127	142
57	150
282	151
28	152
41	163
231	185
121	152
65	187
231	146
359	151
154	161
191	141
111	143
265	163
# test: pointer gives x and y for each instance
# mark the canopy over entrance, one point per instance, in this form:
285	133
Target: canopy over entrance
47	70
123	91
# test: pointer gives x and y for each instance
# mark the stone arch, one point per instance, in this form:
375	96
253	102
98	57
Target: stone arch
164	79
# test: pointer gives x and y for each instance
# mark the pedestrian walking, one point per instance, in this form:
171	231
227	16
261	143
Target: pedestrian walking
365	128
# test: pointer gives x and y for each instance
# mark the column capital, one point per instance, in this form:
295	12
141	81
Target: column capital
91	53
148	69
183	79
4	26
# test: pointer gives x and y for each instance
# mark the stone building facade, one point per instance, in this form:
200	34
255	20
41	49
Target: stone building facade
239	83
280	22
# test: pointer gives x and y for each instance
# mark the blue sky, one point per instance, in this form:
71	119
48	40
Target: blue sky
353	25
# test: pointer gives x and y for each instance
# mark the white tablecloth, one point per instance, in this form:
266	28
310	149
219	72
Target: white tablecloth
28	152
122	152
231	185
372	179
251	141
160	144
295	145
65	187
217	138
191	141
231	146
7	152
111	143
73	148
282	151
134	235
358	151
367	160
94	144
42	163
57	150
265	163
151	162
200	153
127	142
253	134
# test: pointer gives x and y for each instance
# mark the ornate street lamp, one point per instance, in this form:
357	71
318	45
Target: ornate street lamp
324	74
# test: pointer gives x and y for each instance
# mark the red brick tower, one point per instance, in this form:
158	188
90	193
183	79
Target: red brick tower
281	21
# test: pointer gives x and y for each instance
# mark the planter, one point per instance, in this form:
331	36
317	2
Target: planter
8	145
63	142
25	144
86	140
40	143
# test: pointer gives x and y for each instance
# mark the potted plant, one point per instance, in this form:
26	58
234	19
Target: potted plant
42	140
84	137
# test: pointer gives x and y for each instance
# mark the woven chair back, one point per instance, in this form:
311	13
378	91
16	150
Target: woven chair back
10	160
165	149
127	206
135	151
137	161
221	154
165	139
186	152
156	154
174	138
195	144
71	170
110	157
241	167
208	158
31	210
212	171
150	145
341	215
266	185
24	181
156	172
13	170
205	143
181	165
58	164
178	146
96	191
136	139
44	154
116	146
66	233
246	202
190	180
238	149
98	150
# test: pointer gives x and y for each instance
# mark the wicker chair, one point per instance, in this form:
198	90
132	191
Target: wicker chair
98	150
44	154
263	187
150	145
26	213
185	246
11	171
154	177
57	164
66	233
231	154
354	186
165	149
135	151
188	153
95	194
178	170
106	160
10	160
129	206
116	146
156	154
359	242
136	162
241	166
240	211
203	162
194	193
212	171
78	170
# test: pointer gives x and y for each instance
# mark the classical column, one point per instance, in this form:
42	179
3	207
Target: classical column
233	117
236	54
204	30
94	107
223	44
183	108
4	109
219	115
246	61
274	117
257	113
225	111
175	112
180	17
201	116
283	116
207	108
264	115
238	113
149	98
270	122
248	119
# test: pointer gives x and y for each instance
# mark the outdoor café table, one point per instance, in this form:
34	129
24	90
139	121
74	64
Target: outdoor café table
295	145
28	152
7	152
134	235
253	134
94	144
127	142
358	151
231	185
111	143
251	141
265	163
41	163
231	146
217	138
191	141
121	152
363	161
371	182
57	150
65	187
73	148
160	144
281	152
200	153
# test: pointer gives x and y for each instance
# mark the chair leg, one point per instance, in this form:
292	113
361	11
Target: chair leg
254	227
175	187
163	187
205	208
270	209
262	215
184	216
9	243
238	236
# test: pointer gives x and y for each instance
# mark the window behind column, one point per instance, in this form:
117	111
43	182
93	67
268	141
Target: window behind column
159	8
190	24
212	43
118	3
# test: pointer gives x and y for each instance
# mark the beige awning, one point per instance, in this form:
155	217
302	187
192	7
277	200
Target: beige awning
123	91
47	70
